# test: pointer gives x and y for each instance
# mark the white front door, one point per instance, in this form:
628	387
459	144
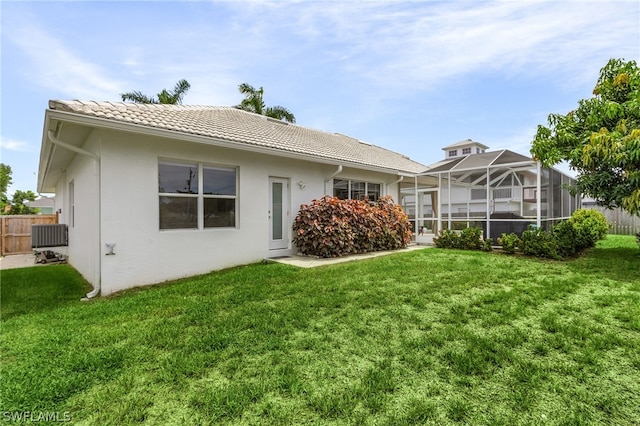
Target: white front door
278	213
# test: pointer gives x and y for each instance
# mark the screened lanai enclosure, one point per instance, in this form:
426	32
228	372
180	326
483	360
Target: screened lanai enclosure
501	192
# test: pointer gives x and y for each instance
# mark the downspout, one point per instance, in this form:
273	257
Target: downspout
334	174
98	269
399	180
56	141
386	189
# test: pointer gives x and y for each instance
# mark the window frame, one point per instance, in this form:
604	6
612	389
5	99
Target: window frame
453	153
200	196
466	151
350	188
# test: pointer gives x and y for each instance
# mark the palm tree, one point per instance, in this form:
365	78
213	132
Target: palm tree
174	97
253	102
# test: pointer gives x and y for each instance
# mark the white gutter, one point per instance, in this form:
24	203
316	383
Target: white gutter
334	174
98	266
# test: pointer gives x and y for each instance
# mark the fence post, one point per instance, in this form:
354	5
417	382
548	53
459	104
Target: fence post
16	232
3	231
622	223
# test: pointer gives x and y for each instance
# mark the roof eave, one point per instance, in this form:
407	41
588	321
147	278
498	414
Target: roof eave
81	119
46	152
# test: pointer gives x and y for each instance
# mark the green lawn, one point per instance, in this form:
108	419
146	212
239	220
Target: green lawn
425	337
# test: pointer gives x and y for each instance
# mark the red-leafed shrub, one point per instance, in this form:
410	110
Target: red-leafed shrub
331	227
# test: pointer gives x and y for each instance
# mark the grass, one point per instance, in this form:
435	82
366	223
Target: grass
32	290
426	337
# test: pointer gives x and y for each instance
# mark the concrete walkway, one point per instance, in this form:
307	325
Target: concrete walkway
18	261
312	262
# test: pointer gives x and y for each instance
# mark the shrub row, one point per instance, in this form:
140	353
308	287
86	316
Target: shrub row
568	238
467	239
331	227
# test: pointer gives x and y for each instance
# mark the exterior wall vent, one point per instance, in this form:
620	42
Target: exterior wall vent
53	235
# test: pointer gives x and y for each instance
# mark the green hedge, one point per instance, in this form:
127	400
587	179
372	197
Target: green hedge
467	239
566	239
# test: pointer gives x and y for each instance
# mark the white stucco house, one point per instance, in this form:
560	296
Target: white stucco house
157	192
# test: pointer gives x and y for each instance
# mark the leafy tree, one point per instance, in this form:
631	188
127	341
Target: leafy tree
253	102
18	205
5	181
164	97
600	139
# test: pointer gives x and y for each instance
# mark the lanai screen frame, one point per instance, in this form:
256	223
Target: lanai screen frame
495	167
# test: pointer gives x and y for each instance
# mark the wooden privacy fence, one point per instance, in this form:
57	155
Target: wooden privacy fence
622	223
15	232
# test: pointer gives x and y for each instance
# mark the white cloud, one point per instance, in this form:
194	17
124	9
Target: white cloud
518	140
58	68
412	45
15	145
382	49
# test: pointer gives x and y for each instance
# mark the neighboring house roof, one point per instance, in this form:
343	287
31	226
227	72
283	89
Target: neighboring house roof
244	129
43	201
465	143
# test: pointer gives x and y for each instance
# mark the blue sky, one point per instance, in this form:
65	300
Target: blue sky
412	77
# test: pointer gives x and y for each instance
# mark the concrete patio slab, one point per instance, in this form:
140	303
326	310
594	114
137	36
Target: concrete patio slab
18	261
312	262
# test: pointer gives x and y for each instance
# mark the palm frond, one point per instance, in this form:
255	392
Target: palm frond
280	113
253	102
246	89
138	98
180	89
164	97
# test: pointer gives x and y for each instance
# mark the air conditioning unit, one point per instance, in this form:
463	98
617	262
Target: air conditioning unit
55	235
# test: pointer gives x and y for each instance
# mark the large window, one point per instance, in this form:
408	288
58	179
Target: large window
196	196
356	190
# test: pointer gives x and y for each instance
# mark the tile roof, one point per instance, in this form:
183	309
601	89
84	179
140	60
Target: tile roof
244	128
